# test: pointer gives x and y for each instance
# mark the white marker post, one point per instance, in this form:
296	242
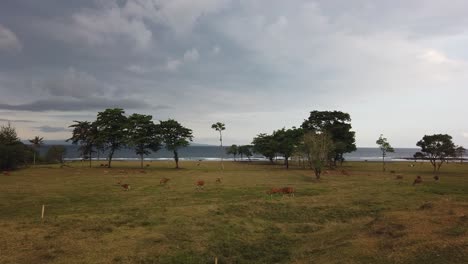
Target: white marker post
42	215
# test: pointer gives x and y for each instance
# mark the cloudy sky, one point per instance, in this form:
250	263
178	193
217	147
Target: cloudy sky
397	67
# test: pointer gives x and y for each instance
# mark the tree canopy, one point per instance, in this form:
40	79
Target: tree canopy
384	147
337	125
112	129
143	135
437	148
175	136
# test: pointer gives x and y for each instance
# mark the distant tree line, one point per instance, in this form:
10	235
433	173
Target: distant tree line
320	141
113	130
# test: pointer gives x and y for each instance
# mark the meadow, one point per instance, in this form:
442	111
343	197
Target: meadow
365	217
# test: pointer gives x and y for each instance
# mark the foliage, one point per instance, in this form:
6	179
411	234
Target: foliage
13	153
337	125
384	147
143	135
233	150
286	142
317	147
36	143
460	153
437	148
218	126
175	136
55	154
265	145
112	130
85	134
245	150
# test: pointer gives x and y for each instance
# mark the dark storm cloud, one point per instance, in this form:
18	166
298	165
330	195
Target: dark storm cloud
62	104
15	120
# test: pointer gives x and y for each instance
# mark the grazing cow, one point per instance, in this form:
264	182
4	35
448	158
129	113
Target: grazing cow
345	173
147	165
290	191
218	180
200	184
274	191
125	186
163	181
436	177
399	177
417	180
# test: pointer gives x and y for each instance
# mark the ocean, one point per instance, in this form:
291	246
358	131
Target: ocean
214	153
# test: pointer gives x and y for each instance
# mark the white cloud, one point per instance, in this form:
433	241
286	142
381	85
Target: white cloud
465	134
8	40
173	64
138	69
104	26
191	55
216	50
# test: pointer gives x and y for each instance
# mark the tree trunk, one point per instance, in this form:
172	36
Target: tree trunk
286	161
383	163
141	159
111	154
176	158
34	158
318	171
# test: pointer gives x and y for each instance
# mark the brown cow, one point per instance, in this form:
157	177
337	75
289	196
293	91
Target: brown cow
417	180
288	191
274	191
163	181
125	186
399	177
200	184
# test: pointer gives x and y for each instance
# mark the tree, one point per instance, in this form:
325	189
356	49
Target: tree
112	130
55	154
318	147
286	142
384	147
437	148
233	150
13	152
337	125
175	136
245	150
460	153
265	145
218	126
143	135
86	135
36	144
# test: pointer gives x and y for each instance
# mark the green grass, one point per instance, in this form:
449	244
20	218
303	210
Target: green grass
367	217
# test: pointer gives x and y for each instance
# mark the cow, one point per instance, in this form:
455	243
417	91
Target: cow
200	184
288	191
417	180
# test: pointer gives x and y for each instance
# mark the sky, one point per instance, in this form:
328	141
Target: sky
399	68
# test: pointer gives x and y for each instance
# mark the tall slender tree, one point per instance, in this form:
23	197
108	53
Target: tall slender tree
218	126
175	136
143	135
85	134
112	130
385	148
36	142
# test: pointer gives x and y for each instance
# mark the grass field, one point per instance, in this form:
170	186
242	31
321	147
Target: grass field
366	217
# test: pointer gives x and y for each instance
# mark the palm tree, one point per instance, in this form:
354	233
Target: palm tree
218	126
36	143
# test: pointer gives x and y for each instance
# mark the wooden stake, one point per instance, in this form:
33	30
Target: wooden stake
216	260
42	215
